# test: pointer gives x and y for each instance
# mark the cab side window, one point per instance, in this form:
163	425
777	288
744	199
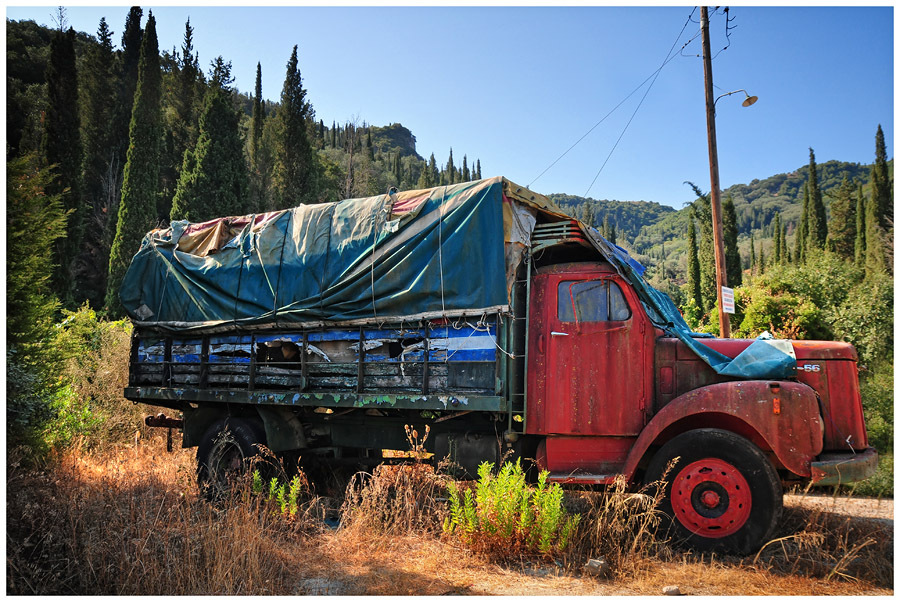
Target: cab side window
591	301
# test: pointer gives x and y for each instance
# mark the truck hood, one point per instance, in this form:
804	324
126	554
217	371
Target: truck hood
804	350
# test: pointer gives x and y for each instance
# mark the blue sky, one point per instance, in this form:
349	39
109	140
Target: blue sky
517	86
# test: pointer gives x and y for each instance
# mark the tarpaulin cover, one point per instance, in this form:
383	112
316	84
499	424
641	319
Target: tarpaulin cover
422	253
416	253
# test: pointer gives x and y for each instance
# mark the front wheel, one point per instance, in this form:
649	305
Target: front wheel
722	493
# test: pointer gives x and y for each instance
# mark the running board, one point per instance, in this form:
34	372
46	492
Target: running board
566	478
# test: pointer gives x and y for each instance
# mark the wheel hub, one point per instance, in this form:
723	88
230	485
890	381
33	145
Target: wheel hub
711	498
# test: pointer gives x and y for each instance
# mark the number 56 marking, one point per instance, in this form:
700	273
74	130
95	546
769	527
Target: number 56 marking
809	368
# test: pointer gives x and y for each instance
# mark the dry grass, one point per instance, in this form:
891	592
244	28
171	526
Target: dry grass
620	526
129	521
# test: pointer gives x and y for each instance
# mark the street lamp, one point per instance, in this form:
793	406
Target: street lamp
718	238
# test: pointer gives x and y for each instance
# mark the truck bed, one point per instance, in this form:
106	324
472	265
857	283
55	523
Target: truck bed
432	366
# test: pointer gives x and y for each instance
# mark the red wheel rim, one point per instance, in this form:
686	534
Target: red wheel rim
711	498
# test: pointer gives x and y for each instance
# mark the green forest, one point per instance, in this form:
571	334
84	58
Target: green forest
107	140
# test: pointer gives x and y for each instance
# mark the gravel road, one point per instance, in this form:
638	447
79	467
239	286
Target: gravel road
870	508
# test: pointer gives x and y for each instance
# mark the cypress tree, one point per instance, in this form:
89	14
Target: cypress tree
785	251
466	176
61	145
802	227
876	262
693	268
214	180
818	225
333	135
99	170
730	235
842	228
258	175
397	173
884	199
140	187
859	248
776	256
705	248
752	254
294	171
451	170
433	168
131	52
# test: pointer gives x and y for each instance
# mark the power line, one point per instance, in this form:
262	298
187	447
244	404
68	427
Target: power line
613	110
668	58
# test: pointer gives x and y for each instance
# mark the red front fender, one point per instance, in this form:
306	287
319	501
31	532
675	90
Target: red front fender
782	417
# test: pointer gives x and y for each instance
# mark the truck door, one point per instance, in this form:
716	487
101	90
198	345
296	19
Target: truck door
594	345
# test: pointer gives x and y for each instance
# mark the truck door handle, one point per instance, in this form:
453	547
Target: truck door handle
559	334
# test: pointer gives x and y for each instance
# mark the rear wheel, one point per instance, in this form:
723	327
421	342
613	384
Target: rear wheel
722	493
225	454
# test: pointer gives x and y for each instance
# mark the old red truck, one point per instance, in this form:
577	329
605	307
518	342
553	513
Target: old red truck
484	312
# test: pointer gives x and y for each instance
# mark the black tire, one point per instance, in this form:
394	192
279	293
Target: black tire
225	453
726	497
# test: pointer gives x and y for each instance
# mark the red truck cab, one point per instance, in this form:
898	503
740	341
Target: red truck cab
609	393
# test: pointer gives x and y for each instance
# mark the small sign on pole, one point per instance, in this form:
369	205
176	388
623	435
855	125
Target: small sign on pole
727	300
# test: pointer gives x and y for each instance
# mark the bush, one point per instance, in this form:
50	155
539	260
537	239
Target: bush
866	319
881	484
506	517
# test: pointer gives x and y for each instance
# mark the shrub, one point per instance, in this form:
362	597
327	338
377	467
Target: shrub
866	319
507	517
394	499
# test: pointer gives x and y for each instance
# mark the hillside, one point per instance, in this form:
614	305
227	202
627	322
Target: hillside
656	234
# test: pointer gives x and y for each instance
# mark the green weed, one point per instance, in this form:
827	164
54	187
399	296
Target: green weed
504	515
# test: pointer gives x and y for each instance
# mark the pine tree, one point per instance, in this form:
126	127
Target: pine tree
294	170
842	228
693	268
35	219
817	221
730	236
61	146
100	183
140	187
214	180
859	248
776	256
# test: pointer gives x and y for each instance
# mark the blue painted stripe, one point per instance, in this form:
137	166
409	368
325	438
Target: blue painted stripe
228	359
188	359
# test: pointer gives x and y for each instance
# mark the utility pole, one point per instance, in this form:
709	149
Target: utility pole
718	237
